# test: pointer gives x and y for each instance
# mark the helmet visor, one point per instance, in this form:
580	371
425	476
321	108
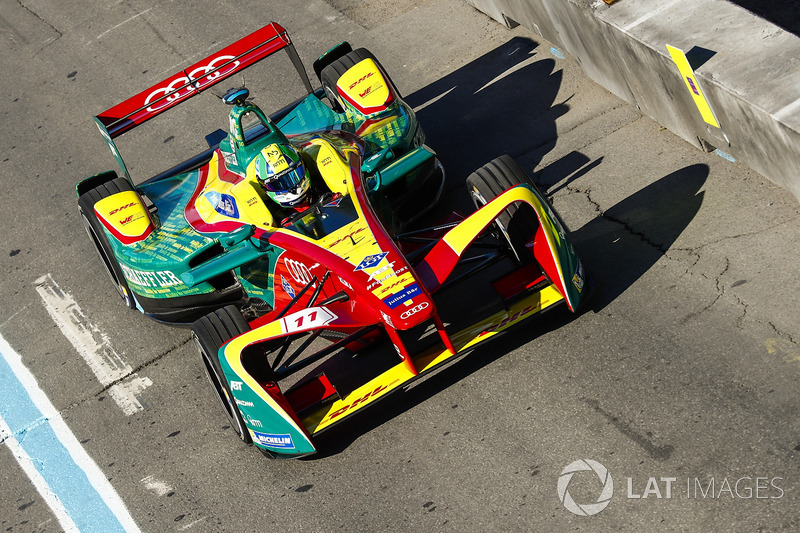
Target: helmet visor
285	181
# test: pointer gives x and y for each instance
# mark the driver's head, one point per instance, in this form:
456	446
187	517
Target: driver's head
279	169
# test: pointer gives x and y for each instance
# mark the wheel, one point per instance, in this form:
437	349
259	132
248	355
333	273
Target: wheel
517	224
331	73
209	333
98	236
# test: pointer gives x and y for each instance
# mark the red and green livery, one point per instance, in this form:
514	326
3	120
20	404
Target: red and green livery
293	309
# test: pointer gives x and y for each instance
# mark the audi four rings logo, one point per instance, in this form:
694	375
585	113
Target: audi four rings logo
299	271
414	310
194	77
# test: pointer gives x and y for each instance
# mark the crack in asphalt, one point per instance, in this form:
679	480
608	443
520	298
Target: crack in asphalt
145	365
142	366
35	14
696	253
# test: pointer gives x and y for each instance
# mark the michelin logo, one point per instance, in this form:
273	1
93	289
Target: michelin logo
274	441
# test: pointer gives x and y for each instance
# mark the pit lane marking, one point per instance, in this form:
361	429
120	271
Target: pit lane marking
93	346
70	482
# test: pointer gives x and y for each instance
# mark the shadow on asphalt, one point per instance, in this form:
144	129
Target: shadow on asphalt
626	240
474	115
501	103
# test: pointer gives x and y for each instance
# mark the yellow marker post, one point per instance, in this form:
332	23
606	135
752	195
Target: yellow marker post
679	57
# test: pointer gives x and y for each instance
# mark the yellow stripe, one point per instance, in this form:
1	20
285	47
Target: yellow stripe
464	339
459	237
693	85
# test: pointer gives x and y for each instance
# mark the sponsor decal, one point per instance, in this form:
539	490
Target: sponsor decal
196	79
236	385
283	441
223	203
362	78
159	278
230	158
361	401
380	281
117	210
512	318
255	423
335	203
244	403
692	86
277	161
400	282
414	310
344	282
387	319
371	261
348	236
299	271
313	317
405	295
381	270
578	278
287	287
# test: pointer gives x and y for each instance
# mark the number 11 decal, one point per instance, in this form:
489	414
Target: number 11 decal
313	317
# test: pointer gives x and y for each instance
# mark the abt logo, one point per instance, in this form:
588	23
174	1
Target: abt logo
414	310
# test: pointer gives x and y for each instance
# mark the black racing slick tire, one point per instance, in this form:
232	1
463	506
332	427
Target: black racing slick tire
518	223
209	333
98	236
330	75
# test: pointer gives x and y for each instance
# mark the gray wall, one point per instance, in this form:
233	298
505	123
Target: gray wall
751	79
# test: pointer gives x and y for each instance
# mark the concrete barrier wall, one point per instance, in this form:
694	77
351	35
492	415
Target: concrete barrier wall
748	69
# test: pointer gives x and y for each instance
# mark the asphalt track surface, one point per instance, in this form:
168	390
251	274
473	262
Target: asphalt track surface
682	375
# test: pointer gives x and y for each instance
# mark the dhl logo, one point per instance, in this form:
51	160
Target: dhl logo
362	78
122	208
361	401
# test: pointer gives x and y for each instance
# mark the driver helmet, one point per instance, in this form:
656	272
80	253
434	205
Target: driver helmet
279	169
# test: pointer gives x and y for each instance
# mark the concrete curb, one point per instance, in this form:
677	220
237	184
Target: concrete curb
748	68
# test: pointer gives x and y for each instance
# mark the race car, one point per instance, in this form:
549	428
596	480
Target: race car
297	248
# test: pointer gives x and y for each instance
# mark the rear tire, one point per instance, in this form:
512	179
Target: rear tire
209	334
518	223
331	73
98	236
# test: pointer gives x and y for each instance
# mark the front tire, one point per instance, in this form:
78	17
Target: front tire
98	236
209	334
518	223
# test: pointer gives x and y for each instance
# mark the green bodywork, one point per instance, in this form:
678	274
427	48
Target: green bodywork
393	158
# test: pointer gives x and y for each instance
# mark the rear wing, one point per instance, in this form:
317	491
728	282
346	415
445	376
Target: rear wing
188	82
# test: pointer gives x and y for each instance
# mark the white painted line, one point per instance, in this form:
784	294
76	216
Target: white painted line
93	346
123	22
41	486
190	524
157	486
72	485
650	14
126	393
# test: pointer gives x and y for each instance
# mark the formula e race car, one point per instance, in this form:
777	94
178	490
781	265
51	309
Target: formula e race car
296	249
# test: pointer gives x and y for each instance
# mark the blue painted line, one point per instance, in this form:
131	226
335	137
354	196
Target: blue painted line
723	155
36	436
